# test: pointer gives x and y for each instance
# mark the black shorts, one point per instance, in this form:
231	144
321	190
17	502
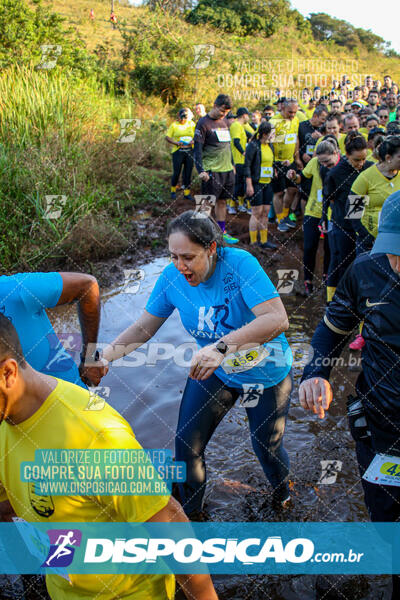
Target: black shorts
280	182
263	195
220	185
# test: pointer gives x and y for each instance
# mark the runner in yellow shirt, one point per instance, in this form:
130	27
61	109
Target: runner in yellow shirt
259	166
316	169
332	127
286	146
180	137
375	185
41	412
238	145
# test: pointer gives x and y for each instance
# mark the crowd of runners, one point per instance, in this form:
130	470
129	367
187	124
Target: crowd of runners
328	164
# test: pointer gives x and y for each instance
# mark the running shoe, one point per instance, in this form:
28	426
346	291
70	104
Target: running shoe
282	227
249	211
288	221
189	197
229	239
280	499
173	195
231	210
358	343
242	208
308	288
267	245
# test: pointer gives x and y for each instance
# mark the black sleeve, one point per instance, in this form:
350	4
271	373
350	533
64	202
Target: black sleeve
248	158
328	195
342	314
198	156
249	135
332	333
326	345
238	145
199	139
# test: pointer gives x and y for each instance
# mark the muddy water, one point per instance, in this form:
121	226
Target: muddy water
148	395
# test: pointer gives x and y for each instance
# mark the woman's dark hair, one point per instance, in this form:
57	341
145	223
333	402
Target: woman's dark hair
390	145
264	128
183	113
355	141
393	128
198	227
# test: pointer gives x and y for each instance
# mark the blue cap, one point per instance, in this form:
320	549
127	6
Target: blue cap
388	238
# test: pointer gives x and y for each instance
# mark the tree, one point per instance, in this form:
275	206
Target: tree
325	28
244	17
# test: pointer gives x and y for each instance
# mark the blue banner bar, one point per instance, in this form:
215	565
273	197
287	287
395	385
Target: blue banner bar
218	548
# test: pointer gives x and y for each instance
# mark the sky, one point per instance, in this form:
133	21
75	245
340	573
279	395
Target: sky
382	19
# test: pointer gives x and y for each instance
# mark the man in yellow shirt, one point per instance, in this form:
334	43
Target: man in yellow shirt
238	145
286	151
39	412
358	96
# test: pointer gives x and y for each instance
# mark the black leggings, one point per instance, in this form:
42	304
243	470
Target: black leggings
182	158
204	405
342	246
311	240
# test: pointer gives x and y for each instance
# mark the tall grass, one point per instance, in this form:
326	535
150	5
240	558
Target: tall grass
58	137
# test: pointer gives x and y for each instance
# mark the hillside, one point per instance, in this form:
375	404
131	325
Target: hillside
247	67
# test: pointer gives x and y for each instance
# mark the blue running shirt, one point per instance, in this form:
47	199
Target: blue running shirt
223	304
23	299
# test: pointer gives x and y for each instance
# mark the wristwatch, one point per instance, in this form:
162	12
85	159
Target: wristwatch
221	347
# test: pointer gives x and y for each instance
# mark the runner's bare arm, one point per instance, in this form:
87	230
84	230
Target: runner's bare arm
195	587
83	289
6	511
134	336
271	320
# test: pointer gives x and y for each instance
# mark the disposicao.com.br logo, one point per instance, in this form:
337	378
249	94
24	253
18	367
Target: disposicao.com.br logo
248	551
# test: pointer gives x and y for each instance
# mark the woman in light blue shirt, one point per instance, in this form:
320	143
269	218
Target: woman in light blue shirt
227	302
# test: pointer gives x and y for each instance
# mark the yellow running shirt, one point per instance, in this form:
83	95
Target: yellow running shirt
314	203
372	183
267	161
180	132
62	422
285	137
238	131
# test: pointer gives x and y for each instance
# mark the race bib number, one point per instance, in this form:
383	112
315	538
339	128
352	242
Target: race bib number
223	135
310	149
290	138
319	195
384	470
266	172
185	139
243	360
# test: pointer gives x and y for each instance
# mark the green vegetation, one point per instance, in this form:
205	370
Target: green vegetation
245	17
59	126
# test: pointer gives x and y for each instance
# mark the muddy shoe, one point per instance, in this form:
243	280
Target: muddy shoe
280	504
